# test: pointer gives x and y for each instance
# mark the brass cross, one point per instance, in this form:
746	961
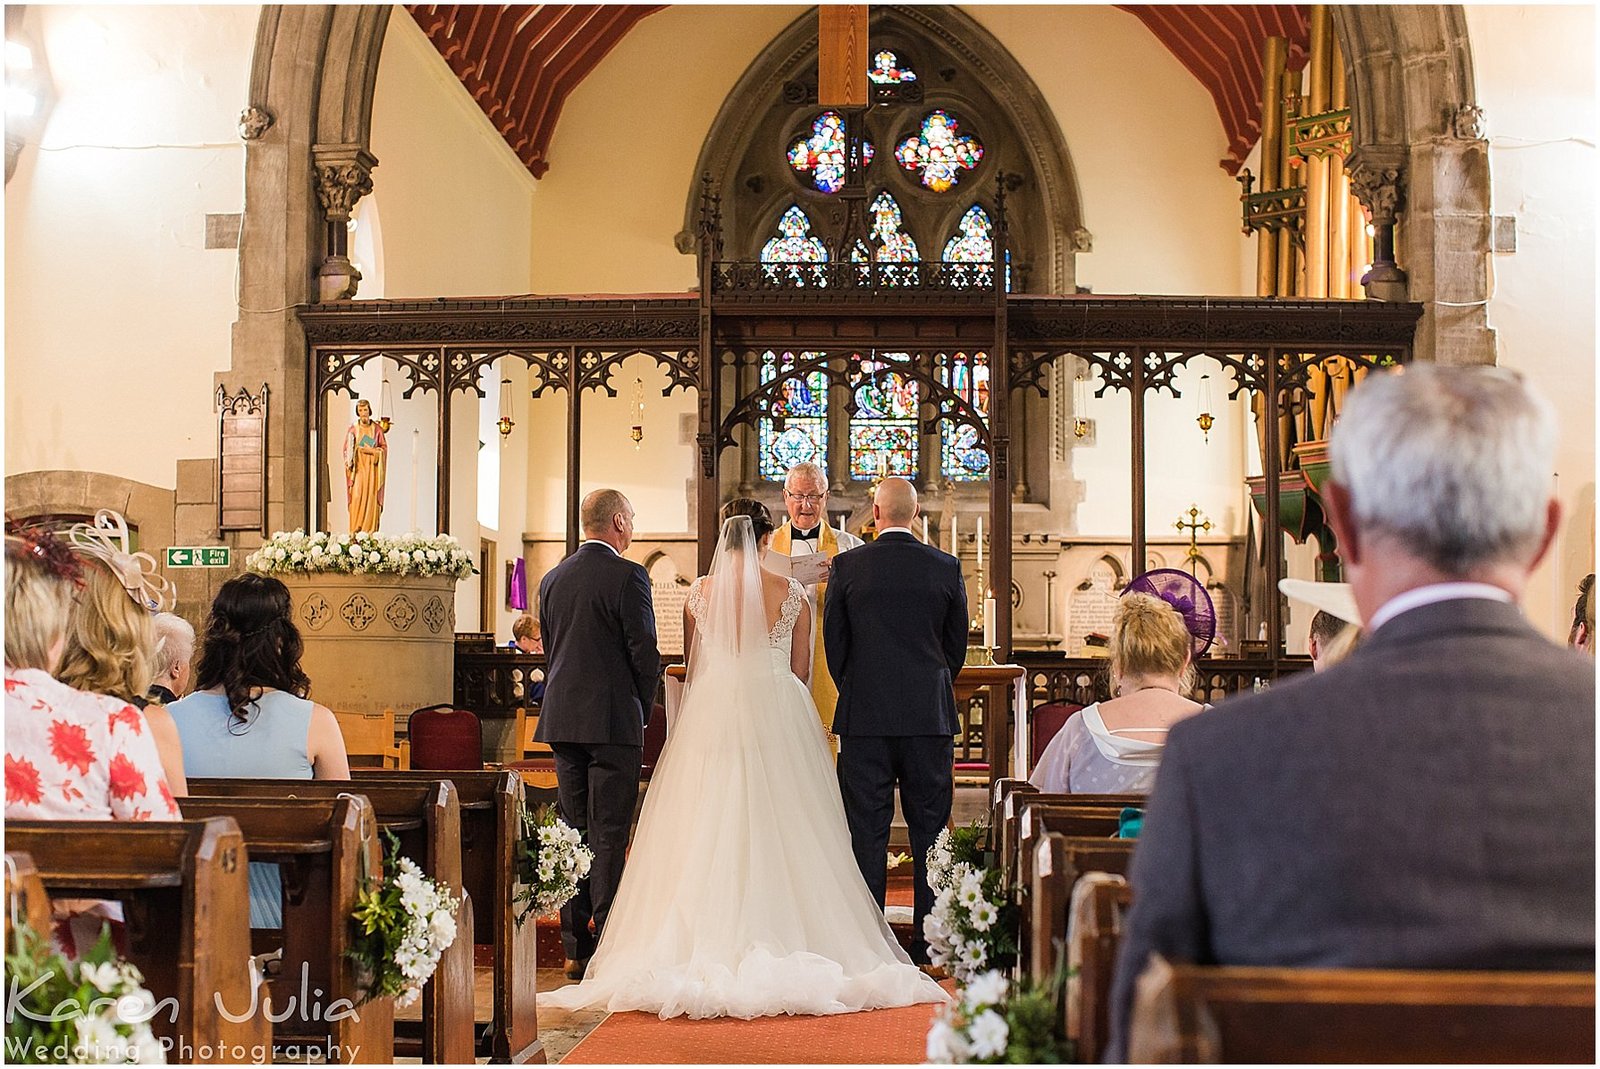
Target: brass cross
1194	527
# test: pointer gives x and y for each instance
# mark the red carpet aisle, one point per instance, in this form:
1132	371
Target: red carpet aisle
890	1037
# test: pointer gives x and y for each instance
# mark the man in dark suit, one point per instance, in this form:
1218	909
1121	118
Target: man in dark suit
1428	802
895	631
602	667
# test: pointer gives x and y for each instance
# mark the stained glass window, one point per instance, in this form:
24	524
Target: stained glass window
892	244
794	246
883	432
886	70
963	457
974	244
939	152
822	155
796	427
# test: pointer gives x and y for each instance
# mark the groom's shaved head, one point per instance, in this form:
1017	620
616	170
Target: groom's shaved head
896	503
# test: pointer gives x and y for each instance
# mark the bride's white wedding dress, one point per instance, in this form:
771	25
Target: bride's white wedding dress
741	897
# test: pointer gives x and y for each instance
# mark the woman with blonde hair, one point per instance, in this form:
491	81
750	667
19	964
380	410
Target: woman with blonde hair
1114	747
111	646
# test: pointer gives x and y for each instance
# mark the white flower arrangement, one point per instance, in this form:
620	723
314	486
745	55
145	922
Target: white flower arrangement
95	1011
404	925
972	926
363	553
551	859
990	1022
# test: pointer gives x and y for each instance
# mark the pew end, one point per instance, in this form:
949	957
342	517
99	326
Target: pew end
1189	1013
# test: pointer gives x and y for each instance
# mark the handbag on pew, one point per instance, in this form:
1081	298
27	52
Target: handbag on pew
445	739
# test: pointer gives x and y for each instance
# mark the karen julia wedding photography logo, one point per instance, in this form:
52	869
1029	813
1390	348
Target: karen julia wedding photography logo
115	1024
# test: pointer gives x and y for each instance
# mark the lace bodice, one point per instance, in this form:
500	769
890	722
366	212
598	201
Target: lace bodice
782	630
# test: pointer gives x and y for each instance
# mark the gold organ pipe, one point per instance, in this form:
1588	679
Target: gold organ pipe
1360	247
1338	98
1318	83
1288	96
1338	189
1316	168
1274	55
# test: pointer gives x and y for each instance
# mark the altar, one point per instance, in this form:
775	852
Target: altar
1007	685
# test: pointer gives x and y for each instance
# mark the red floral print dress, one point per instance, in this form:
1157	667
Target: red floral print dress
77	756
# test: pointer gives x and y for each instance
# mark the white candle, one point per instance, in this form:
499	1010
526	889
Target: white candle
988	620
925	529
416	446
955	538
980	542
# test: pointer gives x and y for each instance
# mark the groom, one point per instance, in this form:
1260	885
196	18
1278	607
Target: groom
896	635
599	628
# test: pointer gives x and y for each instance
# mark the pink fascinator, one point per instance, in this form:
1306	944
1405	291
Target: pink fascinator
107	539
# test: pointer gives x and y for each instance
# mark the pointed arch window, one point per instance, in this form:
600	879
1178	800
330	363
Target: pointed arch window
973	243
962	455
883	431
796	426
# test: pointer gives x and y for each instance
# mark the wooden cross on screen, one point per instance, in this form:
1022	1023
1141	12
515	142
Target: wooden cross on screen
842	55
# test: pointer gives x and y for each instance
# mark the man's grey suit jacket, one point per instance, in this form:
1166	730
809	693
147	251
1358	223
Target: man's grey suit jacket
1427	803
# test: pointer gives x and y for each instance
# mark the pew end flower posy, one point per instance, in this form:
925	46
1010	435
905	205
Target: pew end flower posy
550	860
403	925
93	1011
296	552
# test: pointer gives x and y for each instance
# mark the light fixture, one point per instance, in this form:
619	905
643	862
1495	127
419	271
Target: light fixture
636	432
1205	418
505	422
1080	405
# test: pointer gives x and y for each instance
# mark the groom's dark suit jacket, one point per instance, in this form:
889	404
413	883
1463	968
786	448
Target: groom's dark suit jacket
1427	803
895	633
602	664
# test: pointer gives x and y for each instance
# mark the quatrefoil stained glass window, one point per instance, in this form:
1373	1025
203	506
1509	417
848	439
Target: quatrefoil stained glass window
822	155
939	151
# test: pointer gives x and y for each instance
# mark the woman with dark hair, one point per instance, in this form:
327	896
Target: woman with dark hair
249	715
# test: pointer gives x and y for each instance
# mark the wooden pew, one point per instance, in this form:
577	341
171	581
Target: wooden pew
424	815
186	901
1038	817
490	803
33	902
326	848
1056	862
1094	931
1009	811
1186	1013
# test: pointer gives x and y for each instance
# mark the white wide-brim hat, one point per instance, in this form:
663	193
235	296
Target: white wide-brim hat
1336	599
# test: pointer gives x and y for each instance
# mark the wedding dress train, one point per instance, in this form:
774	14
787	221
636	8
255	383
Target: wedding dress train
741	896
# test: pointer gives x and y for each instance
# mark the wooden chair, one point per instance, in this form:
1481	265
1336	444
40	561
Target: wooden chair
490	810
369	739
425	818
1055	863
1008	824
1100	902
186	900
1187	1013
1044	722
326	847
444	738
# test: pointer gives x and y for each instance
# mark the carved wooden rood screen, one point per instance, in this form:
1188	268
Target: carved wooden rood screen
853	321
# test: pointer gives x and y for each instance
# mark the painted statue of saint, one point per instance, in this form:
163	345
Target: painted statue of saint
366	463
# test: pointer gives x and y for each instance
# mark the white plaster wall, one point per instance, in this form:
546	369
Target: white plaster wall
457	210
116	314
1541	125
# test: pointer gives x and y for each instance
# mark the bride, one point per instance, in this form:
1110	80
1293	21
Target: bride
741	897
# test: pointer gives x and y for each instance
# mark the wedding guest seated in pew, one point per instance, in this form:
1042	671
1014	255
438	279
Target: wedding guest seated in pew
1429	802
249	715
112	645
1581	637
70	755
174	655
1114	747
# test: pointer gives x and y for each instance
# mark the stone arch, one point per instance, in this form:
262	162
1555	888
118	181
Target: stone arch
308	126
1420	152
792	56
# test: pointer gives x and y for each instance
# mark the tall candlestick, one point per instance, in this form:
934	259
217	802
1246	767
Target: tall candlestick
925	530
980	543
416	445
988	620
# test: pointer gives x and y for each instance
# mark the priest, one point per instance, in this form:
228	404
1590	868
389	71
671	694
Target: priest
804	533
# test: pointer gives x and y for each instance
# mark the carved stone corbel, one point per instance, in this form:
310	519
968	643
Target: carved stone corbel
1378	181
254	122
1468	123
343	175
